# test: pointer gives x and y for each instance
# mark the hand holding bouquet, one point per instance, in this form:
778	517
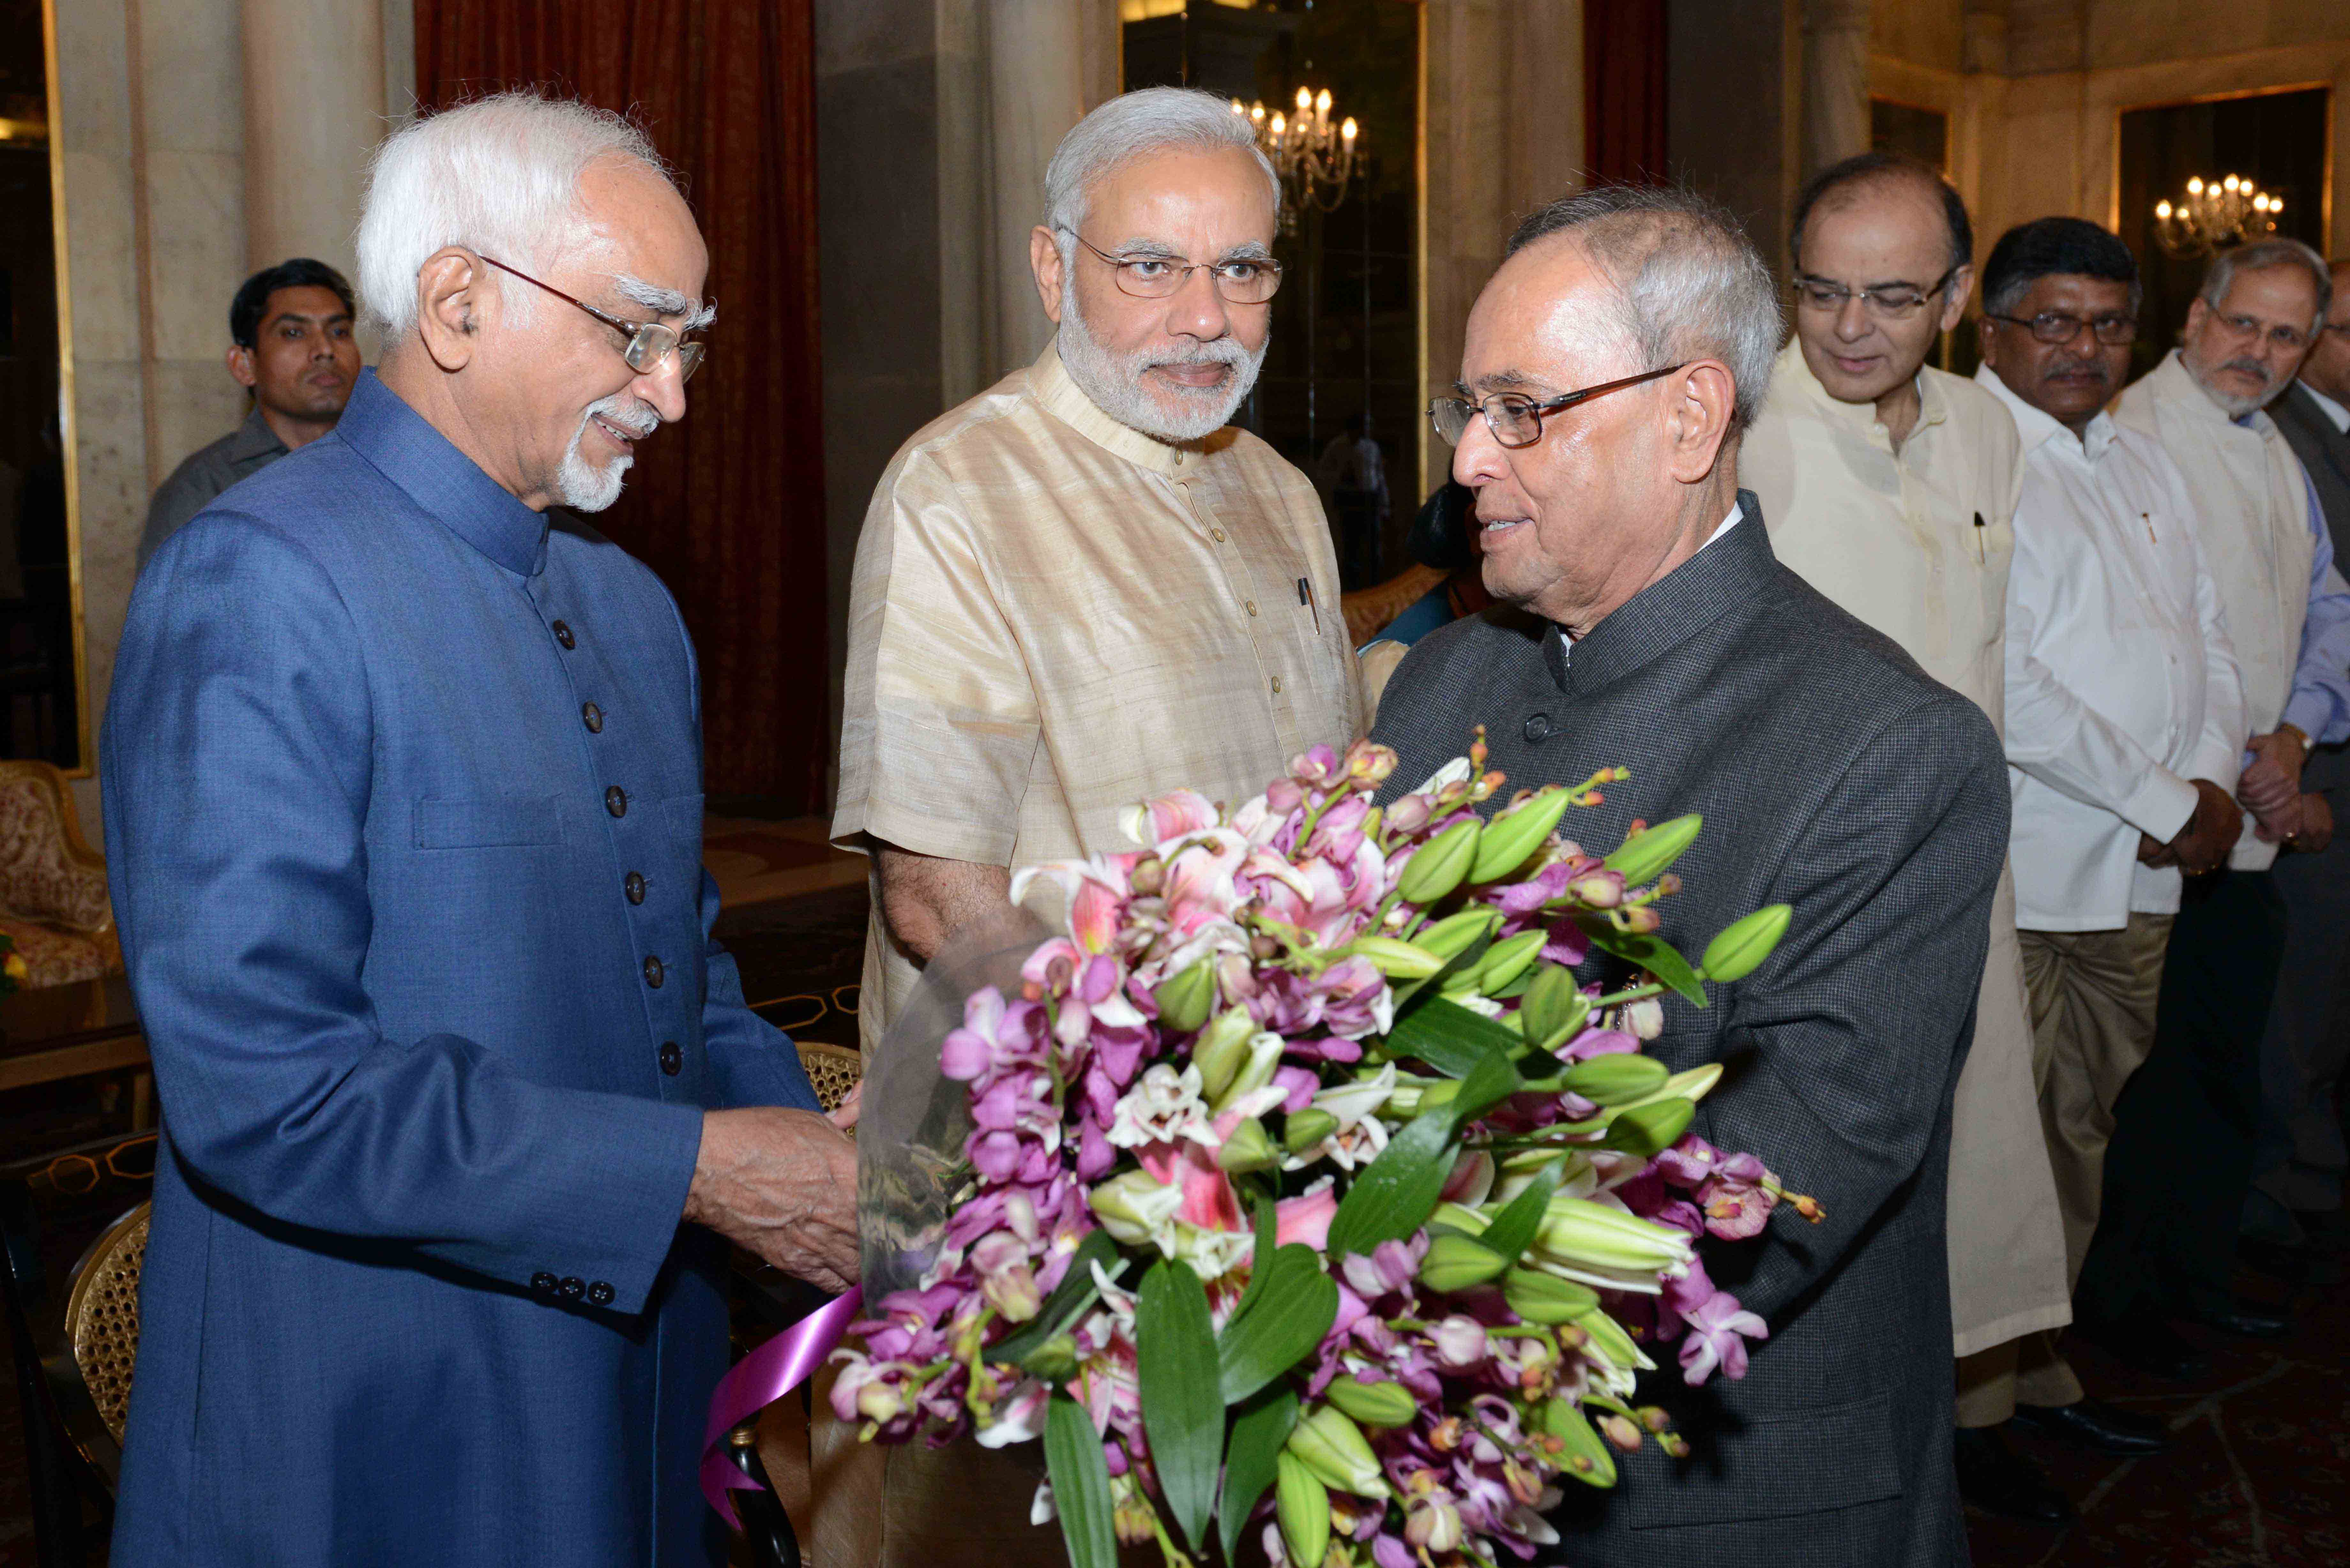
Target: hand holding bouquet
1306	1186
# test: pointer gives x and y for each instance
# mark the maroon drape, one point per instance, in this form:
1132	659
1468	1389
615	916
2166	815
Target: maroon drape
728	506
1624	90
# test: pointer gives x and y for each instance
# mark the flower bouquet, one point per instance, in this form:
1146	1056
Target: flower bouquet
1304	1186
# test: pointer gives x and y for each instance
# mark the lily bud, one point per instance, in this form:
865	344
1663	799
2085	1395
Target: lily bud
1511	838
1184	998
1248	1148
1374	1404
1644	856
1054	1361
1256	1069
1645	1129
1544	1298
1437	867
1745	942
1609	1342
1451	937
1220	1048
1335	1450
1396	959
1133	1205
1579	1231
1302	1507
1307	1128
1614	1079
1505	960
1554	1009
1582	1455
1456	1263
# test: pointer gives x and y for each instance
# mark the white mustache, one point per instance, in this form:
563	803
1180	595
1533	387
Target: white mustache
637	418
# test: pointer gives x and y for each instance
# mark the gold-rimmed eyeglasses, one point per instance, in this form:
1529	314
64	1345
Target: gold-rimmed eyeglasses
1517	420
649	342
1239	280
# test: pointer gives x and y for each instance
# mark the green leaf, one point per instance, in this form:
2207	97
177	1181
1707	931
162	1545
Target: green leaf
1494	1079
1261	1424
1651	952
1294	1307
1074	1291
1395	1194
1448	1037
1073	1458
1515	1228
1175	1379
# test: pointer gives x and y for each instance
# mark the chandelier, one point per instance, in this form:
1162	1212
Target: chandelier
1314	158
2212	216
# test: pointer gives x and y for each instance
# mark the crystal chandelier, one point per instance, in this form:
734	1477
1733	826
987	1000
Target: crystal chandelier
2214	215
1313	158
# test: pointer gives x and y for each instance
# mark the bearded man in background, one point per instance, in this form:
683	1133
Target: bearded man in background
1077	591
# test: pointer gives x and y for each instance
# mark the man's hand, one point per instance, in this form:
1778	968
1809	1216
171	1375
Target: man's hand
2154	852
783	1184
925	900
2272	780
2317	825
2203	844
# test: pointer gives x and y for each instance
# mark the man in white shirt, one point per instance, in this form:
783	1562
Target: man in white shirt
2124	719
2165	1241
1889	485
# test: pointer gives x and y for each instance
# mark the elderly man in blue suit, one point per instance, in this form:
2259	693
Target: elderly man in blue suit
403	812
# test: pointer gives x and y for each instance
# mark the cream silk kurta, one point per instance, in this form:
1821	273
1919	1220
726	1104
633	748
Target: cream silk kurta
1054	616
2252	511
1894	538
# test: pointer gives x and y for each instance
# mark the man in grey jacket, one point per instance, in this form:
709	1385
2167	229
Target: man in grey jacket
1609	369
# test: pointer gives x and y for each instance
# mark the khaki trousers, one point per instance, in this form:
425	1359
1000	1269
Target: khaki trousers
2093	1008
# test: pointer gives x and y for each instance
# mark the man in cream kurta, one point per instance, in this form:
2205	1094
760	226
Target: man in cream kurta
1910	532
1080	589
2166	1243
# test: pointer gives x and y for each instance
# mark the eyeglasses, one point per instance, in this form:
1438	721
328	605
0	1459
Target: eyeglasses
1893	301
2292	340
650	343
2057	327
1516	421
1243	280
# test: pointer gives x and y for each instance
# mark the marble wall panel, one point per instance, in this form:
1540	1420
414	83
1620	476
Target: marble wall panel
195	246
103	269
196	403
1923	32
94	78
194	76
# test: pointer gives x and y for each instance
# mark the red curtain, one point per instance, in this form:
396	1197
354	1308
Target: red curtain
1624	90
727	506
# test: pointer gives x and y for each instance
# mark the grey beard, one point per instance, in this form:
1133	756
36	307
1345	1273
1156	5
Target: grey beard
1114	382
2234	405
586	489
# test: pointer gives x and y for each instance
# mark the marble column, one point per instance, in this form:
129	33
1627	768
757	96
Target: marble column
314	109
1835	81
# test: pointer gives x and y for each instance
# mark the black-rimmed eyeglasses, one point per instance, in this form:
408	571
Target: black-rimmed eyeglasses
649	342
2059	327
1515	419
1893	301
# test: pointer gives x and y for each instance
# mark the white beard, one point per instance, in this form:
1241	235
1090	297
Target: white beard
587	489
1114	385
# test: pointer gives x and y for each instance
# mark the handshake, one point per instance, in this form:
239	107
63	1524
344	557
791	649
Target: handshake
781	1184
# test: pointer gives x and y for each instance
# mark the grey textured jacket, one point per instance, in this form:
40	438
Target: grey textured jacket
1835	777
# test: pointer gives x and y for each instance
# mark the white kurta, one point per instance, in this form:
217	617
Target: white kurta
1916	544
2252	513
2121	679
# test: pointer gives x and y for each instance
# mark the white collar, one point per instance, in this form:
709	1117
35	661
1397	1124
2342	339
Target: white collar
2037	426
2331	410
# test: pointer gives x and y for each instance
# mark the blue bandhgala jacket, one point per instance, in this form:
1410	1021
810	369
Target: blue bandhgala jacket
404	821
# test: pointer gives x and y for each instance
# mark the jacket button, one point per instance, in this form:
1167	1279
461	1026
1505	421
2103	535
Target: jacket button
544	1282
600	1294
672	1060
633	885
574	1288
563	635
593	717
1538	728
652	972
615	801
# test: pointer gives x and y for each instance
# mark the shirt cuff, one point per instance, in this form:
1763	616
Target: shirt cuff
2162	805
2315	714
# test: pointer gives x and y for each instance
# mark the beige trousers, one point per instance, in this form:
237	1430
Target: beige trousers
2093	999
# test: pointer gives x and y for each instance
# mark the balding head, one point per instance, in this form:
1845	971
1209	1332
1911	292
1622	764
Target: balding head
1882	252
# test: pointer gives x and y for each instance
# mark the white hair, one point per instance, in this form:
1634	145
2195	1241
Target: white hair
1689	283
2260	256
1132	125
499	176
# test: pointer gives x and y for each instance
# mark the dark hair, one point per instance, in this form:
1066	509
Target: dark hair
2046	247
1867	166
1439	534
244	312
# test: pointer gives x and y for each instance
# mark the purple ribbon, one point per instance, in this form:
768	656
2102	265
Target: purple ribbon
757	1381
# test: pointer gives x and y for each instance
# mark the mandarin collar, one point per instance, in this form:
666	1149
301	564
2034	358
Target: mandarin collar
1729	571
1933	404
1060	396
380	427
2038	427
